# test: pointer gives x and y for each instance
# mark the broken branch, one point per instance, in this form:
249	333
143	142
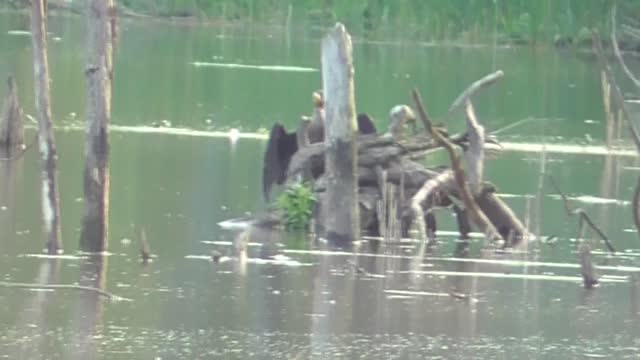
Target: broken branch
475	87
582	216
427	189
465	192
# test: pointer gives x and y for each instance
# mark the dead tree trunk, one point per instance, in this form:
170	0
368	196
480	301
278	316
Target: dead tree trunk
11	126
99	77
341	210
48	153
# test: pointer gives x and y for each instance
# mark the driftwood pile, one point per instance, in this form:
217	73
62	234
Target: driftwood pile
397	190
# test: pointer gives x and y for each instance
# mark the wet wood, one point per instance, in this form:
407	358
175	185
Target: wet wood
91	289
11	118
46	142
409	183
99	73
341	210
583	218
430	186
372	151
145	248
502	217
589	277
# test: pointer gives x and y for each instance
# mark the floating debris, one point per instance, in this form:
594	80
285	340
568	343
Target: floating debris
416	293
254	67
567	149
575	279
59	256
276	260
19	32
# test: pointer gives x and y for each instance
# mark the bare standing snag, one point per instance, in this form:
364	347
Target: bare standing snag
46	142
99	73
341	210
11	118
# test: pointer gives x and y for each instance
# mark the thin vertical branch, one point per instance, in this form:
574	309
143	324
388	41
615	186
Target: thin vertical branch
46	142
582	218
615	90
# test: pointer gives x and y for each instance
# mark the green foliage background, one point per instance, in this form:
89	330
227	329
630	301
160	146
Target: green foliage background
520	20
514	21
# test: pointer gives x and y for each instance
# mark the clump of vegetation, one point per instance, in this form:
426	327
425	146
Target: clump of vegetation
295	205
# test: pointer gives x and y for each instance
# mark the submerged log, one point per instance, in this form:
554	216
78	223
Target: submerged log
46	142
502	217
99	80
11	118
341	219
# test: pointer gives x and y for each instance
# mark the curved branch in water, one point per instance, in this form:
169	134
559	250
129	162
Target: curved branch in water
100	292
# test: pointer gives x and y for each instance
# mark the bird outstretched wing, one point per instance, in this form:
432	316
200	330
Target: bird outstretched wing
280	148
365	124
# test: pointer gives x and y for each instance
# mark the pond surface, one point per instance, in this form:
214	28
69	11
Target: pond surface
377	301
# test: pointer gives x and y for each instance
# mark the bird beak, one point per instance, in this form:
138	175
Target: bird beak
318	100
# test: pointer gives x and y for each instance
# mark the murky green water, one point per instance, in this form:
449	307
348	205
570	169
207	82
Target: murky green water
313	303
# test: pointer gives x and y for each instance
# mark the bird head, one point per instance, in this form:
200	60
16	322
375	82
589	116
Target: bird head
318	99
398	117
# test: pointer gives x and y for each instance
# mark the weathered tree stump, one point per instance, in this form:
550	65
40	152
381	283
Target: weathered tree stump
11	119
99	69
341	208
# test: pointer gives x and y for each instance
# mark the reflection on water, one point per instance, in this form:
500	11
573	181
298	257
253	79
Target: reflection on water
88	310
32	318
283	295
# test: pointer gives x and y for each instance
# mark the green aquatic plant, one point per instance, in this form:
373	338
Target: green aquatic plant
295	205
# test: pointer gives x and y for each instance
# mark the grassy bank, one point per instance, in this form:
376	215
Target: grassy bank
510	21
